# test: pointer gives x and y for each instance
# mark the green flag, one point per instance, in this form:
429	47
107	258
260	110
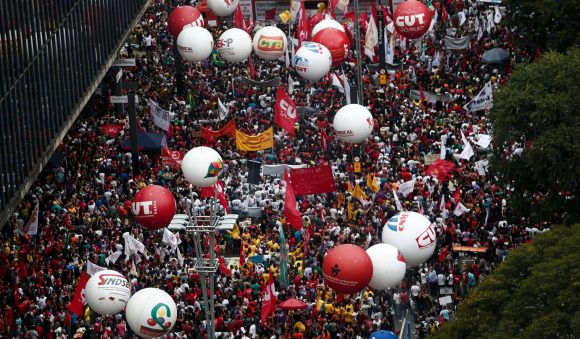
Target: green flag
215	59
283	258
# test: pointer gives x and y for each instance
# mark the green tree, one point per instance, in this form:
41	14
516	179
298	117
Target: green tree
548	24
538	113
533	294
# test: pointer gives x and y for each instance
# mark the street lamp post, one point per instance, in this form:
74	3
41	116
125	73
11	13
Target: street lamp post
360	96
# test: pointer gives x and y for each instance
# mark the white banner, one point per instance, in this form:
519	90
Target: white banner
460	209
93	268
222	109
407	187
161	118
277	170
483	100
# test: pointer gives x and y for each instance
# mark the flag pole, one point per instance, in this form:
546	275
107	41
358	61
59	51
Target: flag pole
360	94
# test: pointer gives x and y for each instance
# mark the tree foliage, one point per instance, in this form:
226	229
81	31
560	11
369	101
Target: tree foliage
547	24
533	294
538	113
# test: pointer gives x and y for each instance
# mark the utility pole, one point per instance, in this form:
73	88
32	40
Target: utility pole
179	81
360	96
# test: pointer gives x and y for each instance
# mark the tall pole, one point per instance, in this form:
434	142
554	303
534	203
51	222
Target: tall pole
133	135
179	81
360	94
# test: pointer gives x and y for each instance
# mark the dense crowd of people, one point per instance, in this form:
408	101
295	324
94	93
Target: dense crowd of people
85	203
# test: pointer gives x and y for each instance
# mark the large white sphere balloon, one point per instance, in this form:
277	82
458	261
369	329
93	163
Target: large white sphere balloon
312	61
353	123
270	43
201	166
107	292
413	234
195	44
151	313
222	7
234	45
389	266
326	23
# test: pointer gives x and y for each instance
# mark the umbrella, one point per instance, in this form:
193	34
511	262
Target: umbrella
495	56
383	335
292	304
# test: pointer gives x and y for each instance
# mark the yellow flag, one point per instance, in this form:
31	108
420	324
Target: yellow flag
349	187
372	182
285	16
340	200
235	232
350	211
358	193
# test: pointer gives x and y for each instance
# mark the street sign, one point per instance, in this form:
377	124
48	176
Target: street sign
124	63
119	99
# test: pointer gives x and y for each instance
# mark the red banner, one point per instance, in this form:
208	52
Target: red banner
111	130
228	130
285	114
439	169
77	304
172	158
291	212
313	180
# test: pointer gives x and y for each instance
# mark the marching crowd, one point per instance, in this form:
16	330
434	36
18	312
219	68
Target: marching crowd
84	204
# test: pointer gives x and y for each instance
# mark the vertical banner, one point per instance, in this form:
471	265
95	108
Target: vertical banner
381	31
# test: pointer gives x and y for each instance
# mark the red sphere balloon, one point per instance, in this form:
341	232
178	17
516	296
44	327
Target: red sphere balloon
412	19
153	207
336	41
183	16
347	269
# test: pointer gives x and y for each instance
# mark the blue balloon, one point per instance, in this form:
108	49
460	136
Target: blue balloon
383	335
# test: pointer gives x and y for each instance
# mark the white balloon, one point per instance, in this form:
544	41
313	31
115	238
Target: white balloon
151	313
201	166
222	7
270	43
312	61
234	45
107	292
413	234
195	44
326	23
353	123
389	266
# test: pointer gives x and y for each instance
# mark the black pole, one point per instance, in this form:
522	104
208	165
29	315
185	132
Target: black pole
133	135
381	29
179	81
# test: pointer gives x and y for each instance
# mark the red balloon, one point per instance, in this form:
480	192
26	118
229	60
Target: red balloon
412	19
336	41
153	207
347	269
183	16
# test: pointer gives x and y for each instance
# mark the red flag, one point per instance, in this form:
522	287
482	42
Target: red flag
77	305
285	114
242	257
302	25
444	14
421	92
439	169
270	14
239	19
323	137
291	212
172	158
269	299
111	130
386	13
223	266
444	253
315	19
251	67
457	196
222	195
313	180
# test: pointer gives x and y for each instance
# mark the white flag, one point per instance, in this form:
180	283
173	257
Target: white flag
223	110
497	16
433	21
113	257
31	227
483	140
460	209
371	38
346	88
336	82
407	187
290	85
467	152
481	166
462	18
483	99
342	5
92	268
294	9
397	202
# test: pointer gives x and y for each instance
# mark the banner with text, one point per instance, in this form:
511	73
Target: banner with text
313	180
229	130
161	118
264	140
483	100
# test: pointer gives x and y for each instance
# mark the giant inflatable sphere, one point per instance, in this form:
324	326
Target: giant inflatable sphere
153	207
151	313
107	292
270	43
347	269
413	234
336	41
326	23
183	16
222	7
353	123
195	44
312	61
389	266
234	45
201	166
412	19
